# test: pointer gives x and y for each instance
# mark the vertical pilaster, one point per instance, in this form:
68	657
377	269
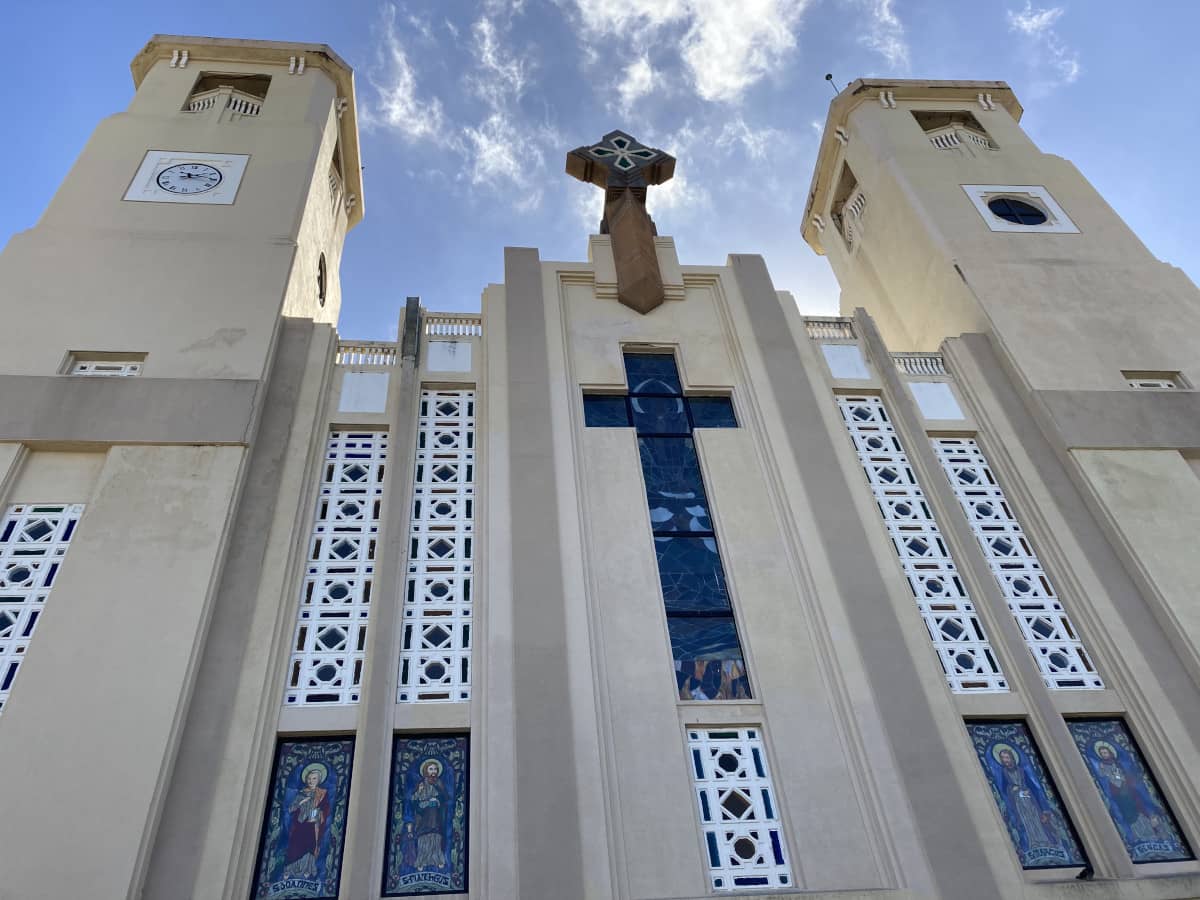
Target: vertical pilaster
367	832
193	802
549	850
10	464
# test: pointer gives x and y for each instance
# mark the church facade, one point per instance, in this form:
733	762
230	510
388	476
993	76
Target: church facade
637	584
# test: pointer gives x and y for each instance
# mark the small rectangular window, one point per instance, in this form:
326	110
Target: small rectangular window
1154	381
952	129
242	95
105	365
739	815
849	207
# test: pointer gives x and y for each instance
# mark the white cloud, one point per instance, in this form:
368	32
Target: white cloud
497	154
636	82
587	205
1053	55
606	17
397	105
502	77
756	143
730	46
1034	22
885	35
725	47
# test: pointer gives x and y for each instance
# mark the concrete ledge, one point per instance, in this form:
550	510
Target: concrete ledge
1125	420
63	409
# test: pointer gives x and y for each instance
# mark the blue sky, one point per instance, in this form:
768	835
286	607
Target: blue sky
467	110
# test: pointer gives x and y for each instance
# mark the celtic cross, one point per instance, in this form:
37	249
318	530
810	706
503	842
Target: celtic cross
625	168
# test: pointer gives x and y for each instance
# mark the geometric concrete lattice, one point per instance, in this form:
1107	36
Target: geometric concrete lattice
435	651
743	836
1052	639
33	542
329	649
954	628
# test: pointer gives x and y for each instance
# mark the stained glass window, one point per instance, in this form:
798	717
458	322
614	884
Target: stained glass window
708	655
712	412
304	831
1037	821
426	849
600	411
1134	801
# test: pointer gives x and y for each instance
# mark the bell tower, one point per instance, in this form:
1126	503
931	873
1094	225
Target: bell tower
941	216
216	203
193	252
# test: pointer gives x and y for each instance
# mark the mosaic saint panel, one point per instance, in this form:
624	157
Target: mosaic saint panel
1037	822
1134	801
304	832
427	816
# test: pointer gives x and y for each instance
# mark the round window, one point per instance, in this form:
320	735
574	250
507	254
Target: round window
1017	211
321	279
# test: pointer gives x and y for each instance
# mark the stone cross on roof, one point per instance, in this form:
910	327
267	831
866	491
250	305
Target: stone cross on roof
624	168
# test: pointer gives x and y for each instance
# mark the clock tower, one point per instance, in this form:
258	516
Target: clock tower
197	217
194	249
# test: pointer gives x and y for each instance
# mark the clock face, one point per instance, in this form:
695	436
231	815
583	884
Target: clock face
189	178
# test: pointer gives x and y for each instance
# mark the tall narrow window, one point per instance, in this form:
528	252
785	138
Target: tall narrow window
331	636
33	542
704	639
743	836
435	655
954	628
1048	632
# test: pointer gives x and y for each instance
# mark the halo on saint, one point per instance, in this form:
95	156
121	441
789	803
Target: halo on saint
1111	749
997	749
317	767
431	762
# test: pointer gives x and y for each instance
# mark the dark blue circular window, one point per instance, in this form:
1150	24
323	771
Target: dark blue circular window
1017	211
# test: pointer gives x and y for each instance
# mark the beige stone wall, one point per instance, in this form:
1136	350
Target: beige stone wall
112	658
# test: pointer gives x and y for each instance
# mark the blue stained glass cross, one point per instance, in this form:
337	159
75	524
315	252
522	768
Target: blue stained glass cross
655	403
708	655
